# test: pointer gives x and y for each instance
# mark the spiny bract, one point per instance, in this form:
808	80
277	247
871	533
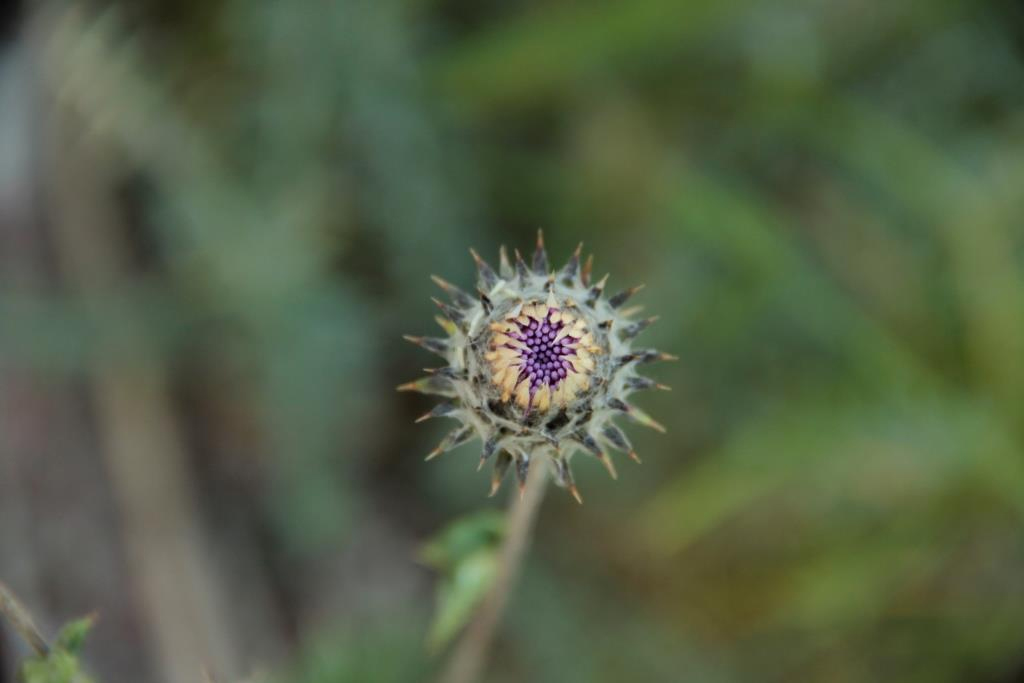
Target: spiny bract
538	365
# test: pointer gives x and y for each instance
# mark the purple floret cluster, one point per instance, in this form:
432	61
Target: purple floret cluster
546	358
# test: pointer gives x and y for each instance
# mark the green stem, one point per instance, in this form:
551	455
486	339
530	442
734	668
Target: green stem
469	657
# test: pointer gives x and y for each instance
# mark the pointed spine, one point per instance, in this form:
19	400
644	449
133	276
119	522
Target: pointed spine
488	278
522	272
432	344
623	296
501	466
522	471
504	266
595	292
640	417
617	438
490	448
455	438
450	312
448	373
590	444
459	297
563	477
643	356
485	301
540	256
633	329
636	414
618	404
640	383
447	325
572	268
588	268
434	386
440	410
652	355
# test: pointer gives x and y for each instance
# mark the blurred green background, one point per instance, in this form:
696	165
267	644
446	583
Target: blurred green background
218	217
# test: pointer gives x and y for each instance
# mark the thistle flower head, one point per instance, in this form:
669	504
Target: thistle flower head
537	365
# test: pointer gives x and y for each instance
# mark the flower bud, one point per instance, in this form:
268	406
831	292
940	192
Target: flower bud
538	366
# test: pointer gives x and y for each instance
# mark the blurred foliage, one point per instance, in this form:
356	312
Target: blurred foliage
61	664
823	197
466	555
391	653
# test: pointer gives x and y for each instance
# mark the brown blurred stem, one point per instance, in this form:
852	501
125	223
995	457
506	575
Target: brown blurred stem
470	654
21	621
174	574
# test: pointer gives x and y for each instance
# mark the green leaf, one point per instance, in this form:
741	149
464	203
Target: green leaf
72	636
61	665
466	554
459	595
462	538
